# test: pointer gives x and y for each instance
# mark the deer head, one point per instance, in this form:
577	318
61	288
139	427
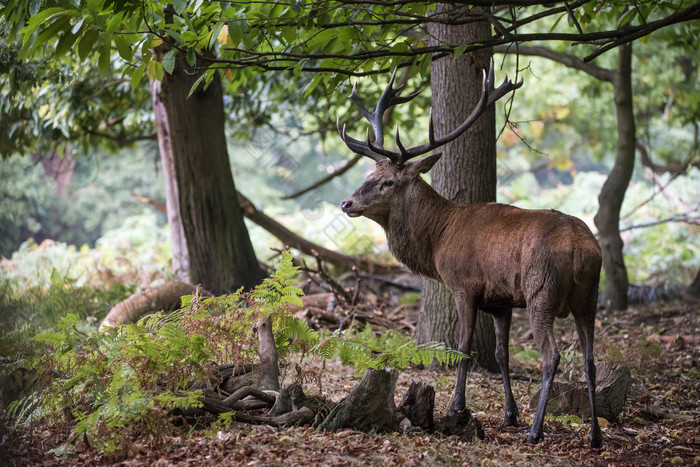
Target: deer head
394	171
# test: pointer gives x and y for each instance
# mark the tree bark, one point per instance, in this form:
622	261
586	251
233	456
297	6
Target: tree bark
370	406
465	174
613	382
295	241
178	243
221	255
613	192
692	293
165	297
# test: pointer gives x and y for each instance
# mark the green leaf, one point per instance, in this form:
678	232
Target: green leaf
87	42
114	22
137	75
235	33
124	48
290	34
459	50
77	26
38	20
34	7
65	43
169	61
214	35
179	6
191	57
105	57
312	85
196	84
188	36
155	70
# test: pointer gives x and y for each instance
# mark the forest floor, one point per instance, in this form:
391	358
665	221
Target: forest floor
660	423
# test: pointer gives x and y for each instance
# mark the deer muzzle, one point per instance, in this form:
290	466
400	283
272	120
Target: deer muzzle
350	209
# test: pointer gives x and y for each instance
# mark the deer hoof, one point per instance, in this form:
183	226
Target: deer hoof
533	439
510	421
456	407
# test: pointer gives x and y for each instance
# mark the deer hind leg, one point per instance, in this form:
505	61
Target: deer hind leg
466	311
541	322
585	325
501	320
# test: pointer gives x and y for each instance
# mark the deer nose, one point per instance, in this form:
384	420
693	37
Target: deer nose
346	205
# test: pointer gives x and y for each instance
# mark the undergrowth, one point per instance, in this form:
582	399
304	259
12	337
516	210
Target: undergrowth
110	389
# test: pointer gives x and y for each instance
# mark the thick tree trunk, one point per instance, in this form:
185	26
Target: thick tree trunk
613	192
465	174
692	293
178	243
221	255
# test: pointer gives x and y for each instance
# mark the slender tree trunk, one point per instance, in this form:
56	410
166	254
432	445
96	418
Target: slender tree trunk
466	173
221	255
178	242
613	192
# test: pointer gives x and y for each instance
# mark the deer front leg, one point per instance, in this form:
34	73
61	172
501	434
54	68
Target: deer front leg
466	312
501	321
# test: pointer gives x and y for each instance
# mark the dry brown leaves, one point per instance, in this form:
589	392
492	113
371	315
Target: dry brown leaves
660	424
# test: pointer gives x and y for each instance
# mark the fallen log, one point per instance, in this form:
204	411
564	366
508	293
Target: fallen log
613	382
165	297
295	241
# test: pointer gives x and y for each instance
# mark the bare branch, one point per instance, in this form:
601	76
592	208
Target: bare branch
327	178
565	59
688	219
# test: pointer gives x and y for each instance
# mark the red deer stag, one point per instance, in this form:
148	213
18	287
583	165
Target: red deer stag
491	256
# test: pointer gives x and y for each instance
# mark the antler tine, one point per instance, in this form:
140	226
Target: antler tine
489	95
431	127
355	145
505	87
401	147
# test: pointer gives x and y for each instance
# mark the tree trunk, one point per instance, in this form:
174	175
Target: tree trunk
613	192
465	174
178	243
221	255
692	293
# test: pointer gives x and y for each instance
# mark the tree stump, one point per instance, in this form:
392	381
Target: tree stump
461	424
370	406
418	405
613	382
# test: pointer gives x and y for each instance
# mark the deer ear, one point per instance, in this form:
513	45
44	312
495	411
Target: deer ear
424	165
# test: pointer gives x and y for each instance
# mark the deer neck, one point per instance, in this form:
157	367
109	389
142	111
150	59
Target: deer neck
415	226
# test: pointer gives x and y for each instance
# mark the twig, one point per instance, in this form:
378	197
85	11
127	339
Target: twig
687	219
327	178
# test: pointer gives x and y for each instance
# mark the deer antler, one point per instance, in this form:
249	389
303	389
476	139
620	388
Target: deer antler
390	97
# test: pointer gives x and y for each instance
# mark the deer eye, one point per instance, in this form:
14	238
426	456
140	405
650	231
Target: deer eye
387	184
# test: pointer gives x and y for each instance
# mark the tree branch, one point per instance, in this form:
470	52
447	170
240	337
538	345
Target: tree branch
565	59
327	178
688	14
307	247
688	219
